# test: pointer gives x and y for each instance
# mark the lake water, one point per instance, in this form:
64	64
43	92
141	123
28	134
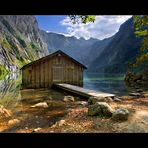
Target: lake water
10	87
109	83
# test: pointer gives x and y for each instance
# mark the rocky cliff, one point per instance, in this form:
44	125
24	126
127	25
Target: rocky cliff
20	41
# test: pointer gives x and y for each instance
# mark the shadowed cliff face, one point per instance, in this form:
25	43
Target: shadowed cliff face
20	41
122	49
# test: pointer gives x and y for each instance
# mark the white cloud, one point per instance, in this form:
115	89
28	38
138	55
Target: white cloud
47	31
103	27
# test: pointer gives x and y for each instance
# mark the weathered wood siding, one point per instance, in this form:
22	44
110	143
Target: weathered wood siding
57	69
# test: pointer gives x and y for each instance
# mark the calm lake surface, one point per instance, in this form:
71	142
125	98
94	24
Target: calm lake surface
110	83
11	84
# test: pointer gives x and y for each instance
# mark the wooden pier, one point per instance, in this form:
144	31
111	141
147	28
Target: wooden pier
82	91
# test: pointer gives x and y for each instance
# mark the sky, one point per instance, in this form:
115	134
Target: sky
104	26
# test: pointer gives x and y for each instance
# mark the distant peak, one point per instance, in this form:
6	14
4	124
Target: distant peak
81	38
93	38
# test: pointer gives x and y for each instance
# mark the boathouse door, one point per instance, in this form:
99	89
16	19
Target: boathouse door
58	73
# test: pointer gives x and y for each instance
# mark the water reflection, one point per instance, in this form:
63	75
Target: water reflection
10	93
10	90
106	83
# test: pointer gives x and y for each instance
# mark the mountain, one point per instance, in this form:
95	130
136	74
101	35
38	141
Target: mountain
20	41
77	48
122	49
95	50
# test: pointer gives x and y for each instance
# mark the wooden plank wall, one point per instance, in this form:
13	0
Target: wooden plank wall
40	74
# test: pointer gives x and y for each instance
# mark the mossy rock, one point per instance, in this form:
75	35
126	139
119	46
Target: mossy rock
100	109
120	114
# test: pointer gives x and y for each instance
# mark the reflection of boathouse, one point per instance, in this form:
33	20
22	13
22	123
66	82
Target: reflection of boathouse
57	67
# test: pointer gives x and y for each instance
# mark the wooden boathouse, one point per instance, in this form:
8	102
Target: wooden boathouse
57	67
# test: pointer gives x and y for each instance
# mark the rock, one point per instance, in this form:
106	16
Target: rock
135	94
41	104
37	122
139	90
100	109
13	121
83	103
108	99
117	100
4	111
93	100
68	98
144	78
138	81
37	129
120	114
145	94
61	122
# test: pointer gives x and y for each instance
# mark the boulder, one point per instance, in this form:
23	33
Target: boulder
120	114
135	94
139	90
13	121
93	100
100	109
117	100
4	112
68	98
82	103
37	129
41	104
61	122
145	94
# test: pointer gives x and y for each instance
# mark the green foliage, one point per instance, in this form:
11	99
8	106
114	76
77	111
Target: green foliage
33	52
11	43
5	44
82	18
3	72
33	46
20	62
22	42
141	29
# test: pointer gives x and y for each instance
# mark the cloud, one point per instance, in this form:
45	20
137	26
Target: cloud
103	27
47	31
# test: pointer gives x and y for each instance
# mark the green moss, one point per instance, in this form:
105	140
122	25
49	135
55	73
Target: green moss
33	46
5	44
21	62
12	43
3	72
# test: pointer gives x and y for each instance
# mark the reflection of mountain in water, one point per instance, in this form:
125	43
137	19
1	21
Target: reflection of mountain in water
9	90
105	83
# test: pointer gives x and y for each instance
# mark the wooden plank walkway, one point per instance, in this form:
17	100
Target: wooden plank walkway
82	91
